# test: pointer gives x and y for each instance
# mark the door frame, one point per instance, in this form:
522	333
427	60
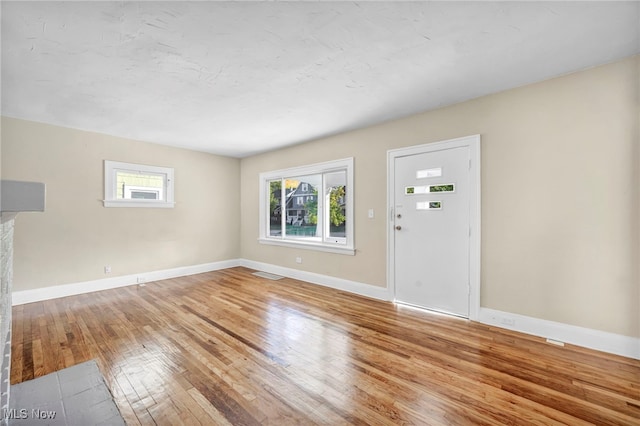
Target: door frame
473	143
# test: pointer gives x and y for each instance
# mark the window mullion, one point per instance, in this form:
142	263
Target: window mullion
319	207
325	226
283	210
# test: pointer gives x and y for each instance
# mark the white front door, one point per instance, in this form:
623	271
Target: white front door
431	229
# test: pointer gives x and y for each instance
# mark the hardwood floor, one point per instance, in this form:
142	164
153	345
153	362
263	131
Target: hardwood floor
228	347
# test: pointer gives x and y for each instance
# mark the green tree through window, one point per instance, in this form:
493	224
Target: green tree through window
336	206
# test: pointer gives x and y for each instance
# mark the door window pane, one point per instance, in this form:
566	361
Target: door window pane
442	188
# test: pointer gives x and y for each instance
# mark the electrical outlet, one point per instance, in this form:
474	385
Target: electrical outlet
371	214
142	280
107	269
298	259
508	321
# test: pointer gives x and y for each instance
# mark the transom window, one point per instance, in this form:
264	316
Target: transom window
309	206
137	185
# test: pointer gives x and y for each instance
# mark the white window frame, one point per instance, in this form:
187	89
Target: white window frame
111	168
332	245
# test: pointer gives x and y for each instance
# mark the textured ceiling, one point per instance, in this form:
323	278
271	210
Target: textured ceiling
237	78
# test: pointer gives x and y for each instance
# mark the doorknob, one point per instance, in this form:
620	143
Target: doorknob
398	227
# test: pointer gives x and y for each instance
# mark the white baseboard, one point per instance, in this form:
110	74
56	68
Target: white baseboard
46	293
594	339
380	293
580	336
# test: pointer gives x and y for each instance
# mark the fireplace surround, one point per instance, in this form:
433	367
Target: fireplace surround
15	197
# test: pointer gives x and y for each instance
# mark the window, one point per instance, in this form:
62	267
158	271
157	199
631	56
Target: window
137	185
309	207
409	190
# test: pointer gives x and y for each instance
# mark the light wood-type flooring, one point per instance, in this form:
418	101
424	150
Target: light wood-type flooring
228	347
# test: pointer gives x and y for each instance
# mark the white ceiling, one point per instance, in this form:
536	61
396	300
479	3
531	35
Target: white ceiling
238	78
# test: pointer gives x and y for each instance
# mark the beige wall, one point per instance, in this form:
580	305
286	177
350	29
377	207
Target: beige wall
560	188
76	236
560	196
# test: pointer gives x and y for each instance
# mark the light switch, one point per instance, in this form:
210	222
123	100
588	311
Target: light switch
371	214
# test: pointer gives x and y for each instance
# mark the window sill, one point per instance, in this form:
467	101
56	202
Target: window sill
138	203
329	248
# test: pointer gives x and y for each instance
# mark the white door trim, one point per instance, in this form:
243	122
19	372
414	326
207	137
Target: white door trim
473	143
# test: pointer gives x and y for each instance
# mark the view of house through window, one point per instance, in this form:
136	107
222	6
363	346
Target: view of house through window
139	185
307	215
309	207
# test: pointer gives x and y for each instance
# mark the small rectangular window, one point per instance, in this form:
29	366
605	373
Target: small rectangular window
429	173
137	185
429	205
411	190
442	188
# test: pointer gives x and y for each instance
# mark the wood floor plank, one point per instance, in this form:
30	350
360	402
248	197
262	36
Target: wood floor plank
230	348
